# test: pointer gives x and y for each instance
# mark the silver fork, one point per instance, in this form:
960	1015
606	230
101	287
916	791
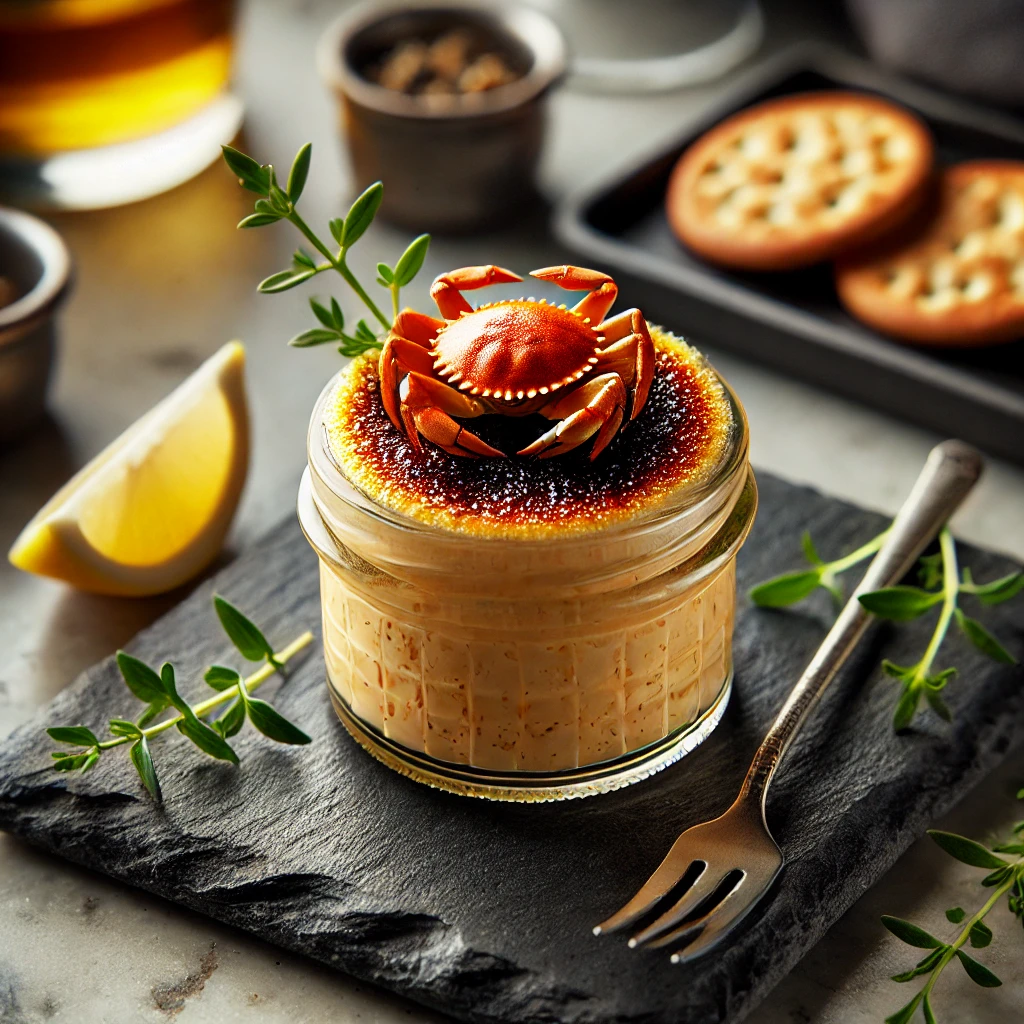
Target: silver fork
734	859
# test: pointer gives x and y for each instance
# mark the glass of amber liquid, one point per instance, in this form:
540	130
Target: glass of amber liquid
107	101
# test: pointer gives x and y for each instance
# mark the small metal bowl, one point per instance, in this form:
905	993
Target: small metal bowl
448	164
35	261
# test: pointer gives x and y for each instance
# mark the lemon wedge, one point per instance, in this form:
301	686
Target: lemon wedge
152	509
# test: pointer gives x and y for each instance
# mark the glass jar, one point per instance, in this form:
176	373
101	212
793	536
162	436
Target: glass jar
528	669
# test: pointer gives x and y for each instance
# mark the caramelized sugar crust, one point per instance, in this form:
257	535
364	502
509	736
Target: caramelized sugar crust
678	439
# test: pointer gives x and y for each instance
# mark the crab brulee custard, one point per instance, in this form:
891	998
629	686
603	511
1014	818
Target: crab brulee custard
527	519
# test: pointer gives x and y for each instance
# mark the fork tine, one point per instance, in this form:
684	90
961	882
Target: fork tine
718	924
707	882
664	878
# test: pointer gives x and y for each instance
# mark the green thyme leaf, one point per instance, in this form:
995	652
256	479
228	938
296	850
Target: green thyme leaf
997	877
364	334
360	215
980	935
221	678
890	668
323	314
90	759
983	639
385	275
938	681
906	708
75	735
279	199
903	1016
141	679
923	966
910	933
337	227
190	726
231	722
409	263
336	315
299	172
273	724
122	727
955	915
1015	848
258	220
354	347
914	972
978	973
997	591
966	850
314	336
303	259
900	603
250	174
143	761
810	551
206	739
150	713
69	763
786	589
283	280
244	634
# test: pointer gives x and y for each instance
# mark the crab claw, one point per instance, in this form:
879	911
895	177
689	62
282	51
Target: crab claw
602	289
427	407
595	408
446	290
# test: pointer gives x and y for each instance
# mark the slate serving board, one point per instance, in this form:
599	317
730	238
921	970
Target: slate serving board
484	910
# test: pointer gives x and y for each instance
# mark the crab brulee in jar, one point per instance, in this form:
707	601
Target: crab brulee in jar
527	518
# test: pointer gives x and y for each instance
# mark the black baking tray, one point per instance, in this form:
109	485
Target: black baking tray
793	321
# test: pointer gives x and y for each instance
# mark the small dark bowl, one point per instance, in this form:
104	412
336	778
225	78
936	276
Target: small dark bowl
447	165
34	259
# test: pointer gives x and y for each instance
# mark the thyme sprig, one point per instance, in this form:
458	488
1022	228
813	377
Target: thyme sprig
941	584
276	204
795	586
200	722
1005	865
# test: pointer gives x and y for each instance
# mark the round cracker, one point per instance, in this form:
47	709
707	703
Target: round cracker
959	281
794	181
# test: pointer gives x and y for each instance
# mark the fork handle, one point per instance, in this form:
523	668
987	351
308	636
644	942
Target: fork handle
952	469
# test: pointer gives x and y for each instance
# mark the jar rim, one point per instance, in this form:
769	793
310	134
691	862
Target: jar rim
685	500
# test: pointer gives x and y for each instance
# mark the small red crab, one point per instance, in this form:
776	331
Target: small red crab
517	357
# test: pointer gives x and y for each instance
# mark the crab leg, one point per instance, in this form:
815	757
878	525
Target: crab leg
602	289
629	351
595	408
407	349
446	290
427	407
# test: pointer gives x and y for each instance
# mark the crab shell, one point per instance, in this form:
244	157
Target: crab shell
516	350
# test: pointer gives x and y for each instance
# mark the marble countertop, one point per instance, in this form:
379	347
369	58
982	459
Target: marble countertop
163	283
